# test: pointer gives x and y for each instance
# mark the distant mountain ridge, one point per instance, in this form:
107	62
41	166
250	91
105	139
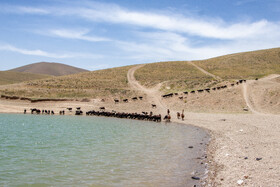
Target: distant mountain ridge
49	68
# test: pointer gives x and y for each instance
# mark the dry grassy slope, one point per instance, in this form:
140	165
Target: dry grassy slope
179	76
48	68
110	82
9	77
248	65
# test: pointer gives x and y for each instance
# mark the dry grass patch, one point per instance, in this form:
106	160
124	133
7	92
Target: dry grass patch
103	83
249	65
9	77
177	76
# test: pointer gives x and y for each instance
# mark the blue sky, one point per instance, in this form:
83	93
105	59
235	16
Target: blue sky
103	34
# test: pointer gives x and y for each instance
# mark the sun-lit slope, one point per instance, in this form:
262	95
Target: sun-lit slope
9	77
226	101
177	76
109	82
248	65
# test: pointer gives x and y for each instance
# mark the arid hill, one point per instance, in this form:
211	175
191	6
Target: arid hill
170	77
248	65
110	82
183	75
49	68
174	76
10	77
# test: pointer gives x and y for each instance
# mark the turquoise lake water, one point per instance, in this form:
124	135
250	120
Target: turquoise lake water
95	151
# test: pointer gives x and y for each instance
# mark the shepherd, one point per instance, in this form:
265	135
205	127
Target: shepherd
182	115
178	115
169	118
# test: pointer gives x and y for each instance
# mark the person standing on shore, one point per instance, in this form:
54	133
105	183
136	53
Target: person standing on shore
168	115
178	115
182	115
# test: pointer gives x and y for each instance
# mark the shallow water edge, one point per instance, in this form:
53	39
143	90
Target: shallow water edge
191	152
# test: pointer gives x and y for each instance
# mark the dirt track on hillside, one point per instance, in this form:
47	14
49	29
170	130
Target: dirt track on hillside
254	93
246	98
153	94
204	71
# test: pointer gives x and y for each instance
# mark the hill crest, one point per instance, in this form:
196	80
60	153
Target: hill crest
49	68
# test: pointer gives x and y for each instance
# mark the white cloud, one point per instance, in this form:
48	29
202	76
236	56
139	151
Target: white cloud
242	2
171	22
76	34
99	66
162	46
167	36
209	28
23	10
38	52
32	10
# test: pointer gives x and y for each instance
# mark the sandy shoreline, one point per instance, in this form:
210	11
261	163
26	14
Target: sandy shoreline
233	138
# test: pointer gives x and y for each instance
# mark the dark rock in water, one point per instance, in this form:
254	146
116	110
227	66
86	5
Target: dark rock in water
246	158
190	147
195	178
258	159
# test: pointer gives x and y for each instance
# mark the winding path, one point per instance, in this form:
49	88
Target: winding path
246	98
246	95
204	71
153	94
245	86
